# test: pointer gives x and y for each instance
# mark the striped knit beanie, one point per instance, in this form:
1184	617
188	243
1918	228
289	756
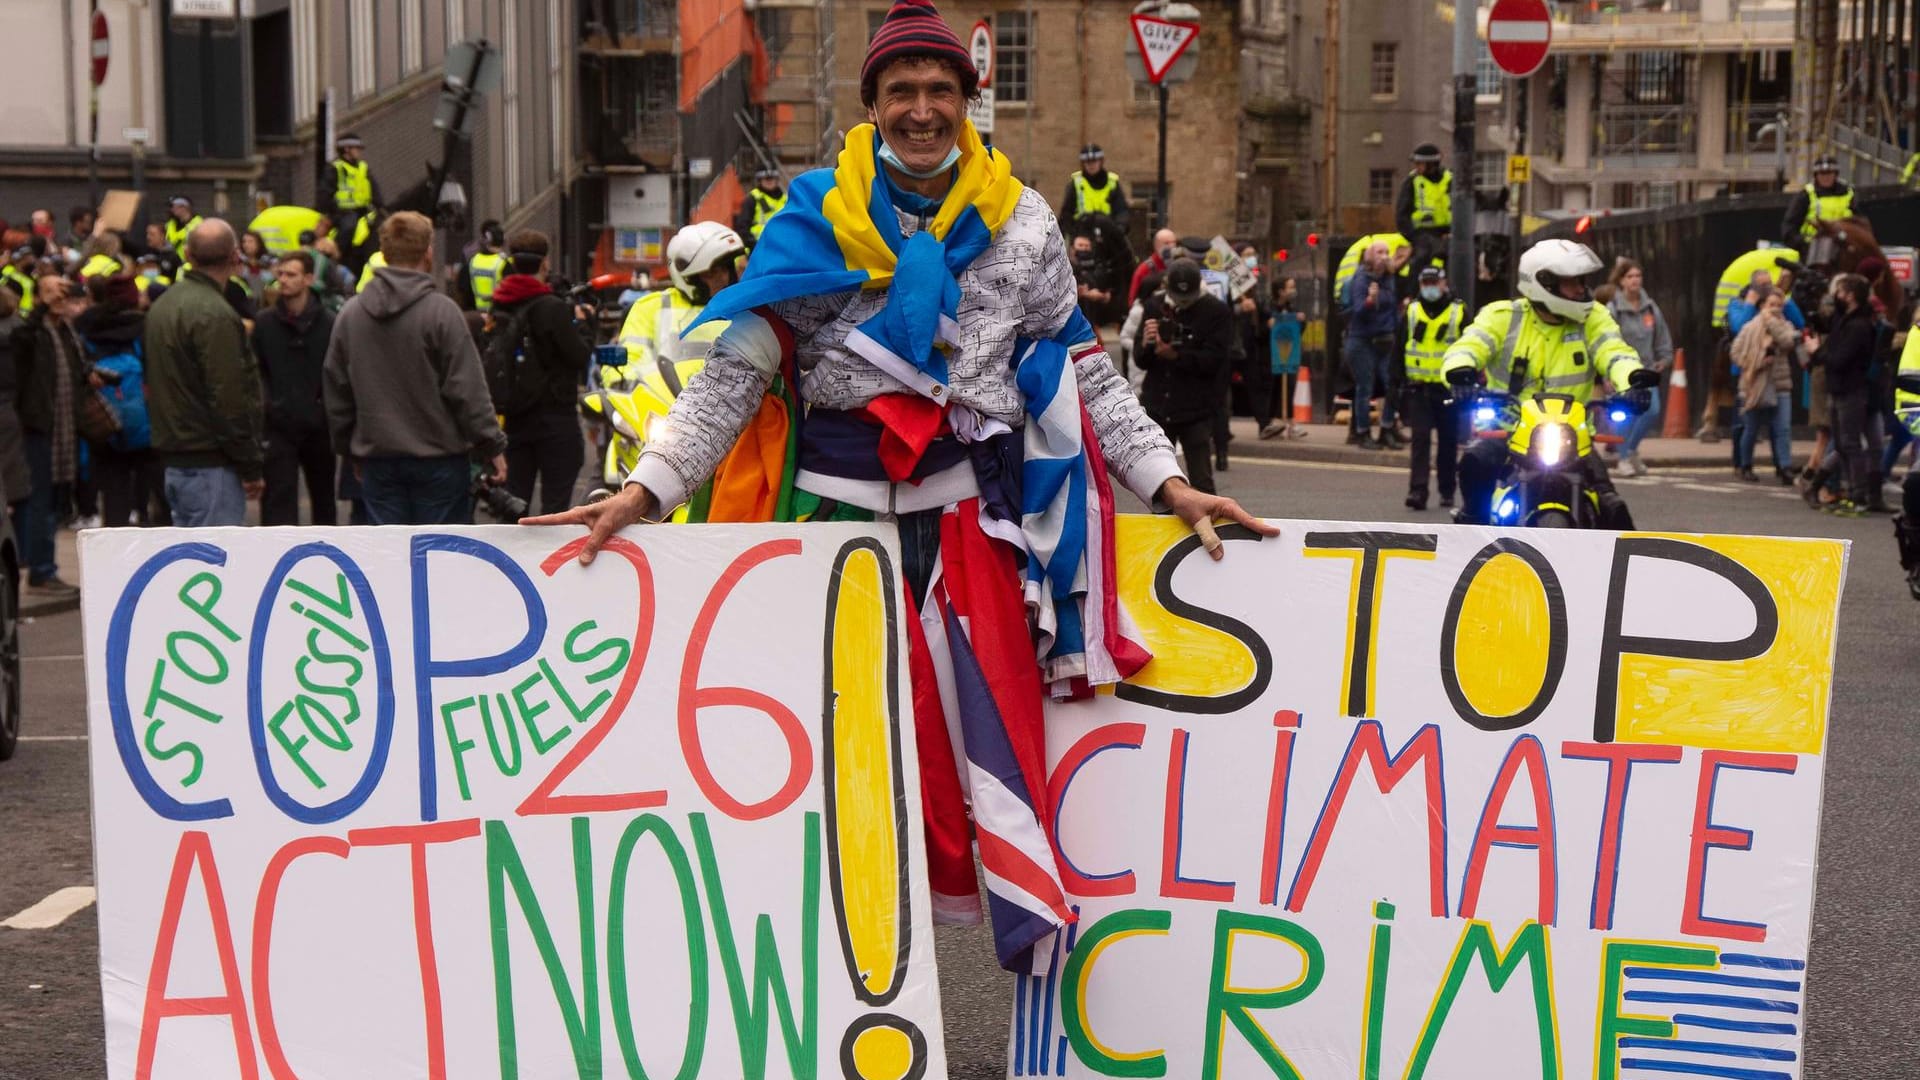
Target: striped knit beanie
913	28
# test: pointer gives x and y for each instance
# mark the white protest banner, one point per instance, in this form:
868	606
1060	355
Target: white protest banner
1221	256
444	803
1443	802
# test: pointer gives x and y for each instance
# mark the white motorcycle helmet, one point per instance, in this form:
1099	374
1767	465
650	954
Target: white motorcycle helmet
698	248
1550	262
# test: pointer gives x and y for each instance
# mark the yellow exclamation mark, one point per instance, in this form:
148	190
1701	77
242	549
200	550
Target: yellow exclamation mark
867	810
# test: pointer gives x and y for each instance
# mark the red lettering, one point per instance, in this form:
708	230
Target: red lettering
1085	749
416	838
1620	759
542	800
1706	834
694	697
1172	832
195	849
263	908
1539	836
1288	722
1370	746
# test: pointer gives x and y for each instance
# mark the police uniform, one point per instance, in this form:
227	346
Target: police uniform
1906	396
1523	354
177	233
1350	262
1812	206
280	226
1429	335
374	262
484	271
100	265
1424	214
764	205
656	328
23	283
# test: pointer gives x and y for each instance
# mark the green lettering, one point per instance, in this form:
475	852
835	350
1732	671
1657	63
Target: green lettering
332	734
800	1034
582	1017
690	1058
1228	1004
618	645
528	711
1614	956
182	747
578	712
1379	952
1078	969
493	737
340	603
203	607
1530	945
155	696
219	673
457	745
277	726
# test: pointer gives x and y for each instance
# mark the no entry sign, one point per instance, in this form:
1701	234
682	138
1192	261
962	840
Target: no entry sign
1518	33
102	47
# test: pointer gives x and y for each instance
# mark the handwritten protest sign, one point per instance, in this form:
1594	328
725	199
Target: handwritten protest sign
443	803
1443	803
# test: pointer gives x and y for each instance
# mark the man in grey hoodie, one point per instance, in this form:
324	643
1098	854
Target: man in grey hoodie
406	396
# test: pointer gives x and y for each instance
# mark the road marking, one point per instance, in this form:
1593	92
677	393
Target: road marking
1337	466
52	738
54	910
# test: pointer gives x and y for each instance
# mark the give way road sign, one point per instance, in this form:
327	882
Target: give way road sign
1161	42
1518	33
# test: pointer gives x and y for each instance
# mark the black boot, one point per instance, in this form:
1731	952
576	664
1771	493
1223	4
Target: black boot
1816	483
1908	537
1417	499
1876	501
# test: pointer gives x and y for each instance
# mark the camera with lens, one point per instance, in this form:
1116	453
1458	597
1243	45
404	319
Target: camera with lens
1172	331
500	504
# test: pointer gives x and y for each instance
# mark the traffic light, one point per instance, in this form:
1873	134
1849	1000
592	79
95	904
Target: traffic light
1313	239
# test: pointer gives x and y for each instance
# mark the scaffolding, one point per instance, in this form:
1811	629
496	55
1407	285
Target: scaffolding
1856	63
796	129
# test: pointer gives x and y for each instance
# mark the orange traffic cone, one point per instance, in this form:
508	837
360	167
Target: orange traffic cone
1303	397
1679	415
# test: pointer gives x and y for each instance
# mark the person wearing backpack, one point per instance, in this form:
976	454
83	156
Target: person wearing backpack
535	361
127	472
405	392
290	341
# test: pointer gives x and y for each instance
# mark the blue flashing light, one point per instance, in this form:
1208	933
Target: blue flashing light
1619	416
1508	508
1484	414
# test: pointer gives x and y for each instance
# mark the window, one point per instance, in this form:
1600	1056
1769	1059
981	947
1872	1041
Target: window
1657	78
360	48
1012	57
1489	170
1384	73
1488	80
413	31
1380	183
510	98
556	91
1662	194
456	21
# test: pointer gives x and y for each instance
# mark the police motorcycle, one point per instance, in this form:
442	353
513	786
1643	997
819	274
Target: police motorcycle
1548	436
630	392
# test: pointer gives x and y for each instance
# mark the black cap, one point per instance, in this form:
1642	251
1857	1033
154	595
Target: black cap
1091	151
1426	152
1183	279
1432	273
349	140
1826	163
180	200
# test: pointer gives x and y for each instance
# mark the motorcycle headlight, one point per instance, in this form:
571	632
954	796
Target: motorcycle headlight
1551	443
1507	510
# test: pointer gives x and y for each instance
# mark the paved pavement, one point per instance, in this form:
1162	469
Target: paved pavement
1864	978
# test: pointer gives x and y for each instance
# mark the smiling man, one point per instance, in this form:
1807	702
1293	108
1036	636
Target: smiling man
926	301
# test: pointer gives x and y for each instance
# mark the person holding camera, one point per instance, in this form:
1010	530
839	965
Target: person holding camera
543	432
1185	343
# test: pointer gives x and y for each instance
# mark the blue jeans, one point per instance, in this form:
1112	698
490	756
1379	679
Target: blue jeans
1372	370
1642	424
1779	418
34	519
417	491
206	496
1897	439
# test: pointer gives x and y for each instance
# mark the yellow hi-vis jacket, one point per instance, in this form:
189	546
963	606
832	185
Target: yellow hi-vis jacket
374	262
1350	262
280	226
656	327
1909	368
1558	358
177	233
1825	208
24	281
484	271
1433	201
1429	338
764	207
352	186
1094	200
1734	279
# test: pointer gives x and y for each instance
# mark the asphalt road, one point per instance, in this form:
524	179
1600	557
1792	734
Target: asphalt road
1863	984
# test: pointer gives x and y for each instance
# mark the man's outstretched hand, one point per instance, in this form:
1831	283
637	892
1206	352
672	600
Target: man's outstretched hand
631	505
1199	509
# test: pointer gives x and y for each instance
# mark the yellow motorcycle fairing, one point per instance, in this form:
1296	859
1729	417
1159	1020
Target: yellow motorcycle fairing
1541	410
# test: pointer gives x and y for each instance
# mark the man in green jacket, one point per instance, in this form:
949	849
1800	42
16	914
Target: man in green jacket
203	388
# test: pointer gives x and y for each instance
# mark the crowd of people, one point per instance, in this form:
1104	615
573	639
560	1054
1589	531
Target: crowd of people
174	378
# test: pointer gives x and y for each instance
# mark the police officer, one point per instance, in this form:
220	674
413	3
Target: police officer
1553	340
701	261
764	201
18	272
181	220
1094	190
1424	211
354	202
482	271
1828	198
1434	321
1906	402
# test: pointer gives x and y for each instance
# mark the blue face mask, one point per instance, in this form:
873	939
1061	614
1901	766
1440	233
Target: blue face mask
1431	292
889	157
